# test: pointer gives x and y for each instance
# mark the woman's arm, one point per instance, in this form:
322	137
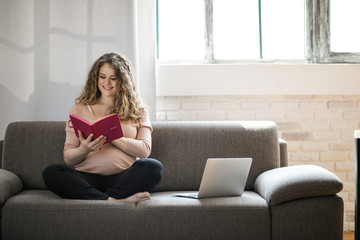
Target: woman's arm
75	154
139	147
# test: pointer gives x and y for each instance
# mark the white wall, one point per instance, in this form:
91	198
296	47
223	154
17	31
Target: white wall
258	79
48	46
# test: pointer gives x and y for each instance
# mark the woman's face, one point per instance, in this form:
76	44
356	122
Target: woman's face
107	82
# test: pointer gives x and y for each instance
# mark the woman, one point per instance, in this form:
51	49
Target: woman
119	170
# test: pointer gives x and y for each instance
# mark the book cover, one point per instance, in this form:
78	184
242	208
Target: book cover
108	126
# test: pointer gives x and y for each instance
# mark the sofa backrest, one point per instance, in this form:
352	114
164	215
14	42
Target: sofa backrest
29	147
182	147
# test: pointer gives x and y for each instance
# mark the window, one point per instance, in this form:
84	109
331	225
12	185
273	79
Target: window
344	13
325	43
235	30
222	31
343	31
283	29
181	25
255	29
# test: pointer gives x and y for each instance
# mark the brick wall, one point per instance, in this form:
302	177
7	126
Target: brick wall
318	129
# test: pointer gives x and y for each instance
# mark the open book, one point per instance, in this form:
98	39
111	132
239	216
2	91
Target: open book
108	126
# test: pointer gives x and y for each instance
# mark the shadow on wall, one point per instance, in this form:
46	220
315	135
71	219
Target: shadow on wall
51	104
46	50
26	92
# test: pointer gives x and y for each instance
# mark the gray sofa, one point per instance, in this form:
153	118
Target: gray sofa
280	202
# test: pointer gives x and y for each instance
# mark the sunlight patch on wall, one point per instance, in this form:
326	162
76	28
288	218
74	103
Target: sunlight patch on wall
67	60
68	27
20	81
17	47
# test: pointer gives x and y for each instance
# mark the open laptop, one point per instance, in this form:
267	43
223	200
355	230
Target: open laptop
222	177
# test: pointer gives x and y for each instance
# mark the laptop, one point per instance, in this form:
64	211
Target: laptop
222	177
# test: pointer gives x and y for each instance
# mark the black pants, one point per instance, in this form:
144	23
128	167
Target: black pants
66	182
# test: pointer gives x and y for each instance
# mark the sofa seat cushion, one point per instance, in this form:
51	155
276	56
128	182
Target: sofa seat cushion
167	200
40	213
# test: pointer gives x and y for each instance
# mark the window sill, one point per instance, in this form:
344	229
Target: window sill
258	79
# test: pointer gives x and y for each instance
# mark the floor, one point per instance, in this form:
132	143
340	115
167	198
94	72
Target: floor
349	236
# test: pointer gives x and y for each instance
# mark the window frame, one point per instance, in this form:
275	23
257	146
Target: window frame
320	36
317	46
210	41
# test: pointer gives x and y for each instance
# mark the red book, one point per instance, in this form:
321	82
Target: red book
108	126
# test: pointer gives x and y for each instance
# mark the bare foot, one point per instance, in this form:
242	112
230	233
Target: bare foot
137	197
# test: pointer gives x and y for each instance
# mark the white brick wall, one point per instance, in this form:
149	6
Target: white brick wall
318	128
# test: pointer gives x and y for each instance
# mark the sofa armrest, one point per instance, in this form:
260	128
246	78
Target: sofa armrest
10	184
283	153
289	183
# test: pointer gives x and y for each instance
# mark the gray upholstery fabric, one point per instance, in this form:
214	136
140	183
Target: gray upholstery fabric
10	184
283	153
1	150
30	146
310	218
183	148
290	183
41	214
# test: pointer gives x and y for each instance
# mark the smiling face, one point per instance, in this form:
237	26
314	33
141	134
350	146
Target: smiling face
107	82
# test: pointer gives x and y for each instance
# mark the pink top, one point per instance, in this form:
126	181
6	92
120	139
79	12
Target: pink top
110	160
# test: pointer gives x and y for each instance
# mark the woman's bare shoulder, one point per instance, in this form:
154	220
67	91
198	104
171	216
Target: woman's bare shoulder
78	108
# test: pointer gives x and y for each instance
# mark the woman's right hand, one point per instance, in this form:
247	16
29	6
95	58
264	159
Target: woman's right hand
87	145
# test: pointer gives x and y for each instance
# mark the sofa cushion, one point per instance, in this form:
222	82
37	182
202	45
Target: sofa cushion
40	213
294	182
184	147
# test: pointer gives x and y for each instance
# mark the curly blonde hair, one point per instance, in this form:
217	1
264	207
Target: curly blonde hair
127	102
